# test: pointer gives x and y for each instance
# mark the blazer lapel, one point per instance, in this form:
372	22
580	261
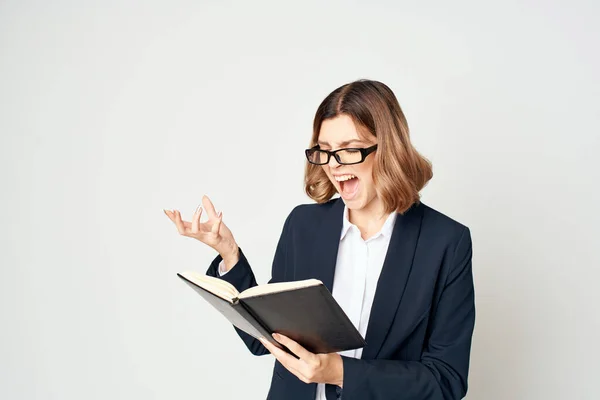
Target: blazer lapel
392	281
326	244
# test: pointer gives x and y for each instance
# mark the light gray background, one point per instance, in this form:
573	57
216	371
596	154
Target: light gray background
112	111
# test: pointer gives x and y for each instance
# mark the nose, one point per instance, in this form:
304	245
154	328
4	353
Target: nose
332	162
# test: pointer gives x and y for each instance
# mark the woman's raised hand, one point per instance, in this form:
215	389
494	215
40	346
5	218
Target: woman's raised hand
213	232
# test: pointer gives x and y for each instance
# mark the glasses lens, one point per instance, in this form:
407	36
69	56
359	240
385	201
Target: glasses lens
350	156
317	156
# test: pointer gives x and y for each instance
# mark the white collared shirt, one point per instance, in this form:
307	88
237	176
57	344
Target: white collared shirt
357	269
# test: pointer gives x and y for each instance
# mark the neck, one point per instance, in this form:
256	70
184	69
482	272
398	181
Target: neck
369	219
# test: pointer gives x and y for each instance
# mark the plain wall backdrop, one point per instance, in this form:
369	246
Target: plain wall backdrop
112	111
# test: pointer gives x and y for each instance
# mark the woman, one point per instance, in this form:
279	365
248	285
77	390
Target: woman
399	269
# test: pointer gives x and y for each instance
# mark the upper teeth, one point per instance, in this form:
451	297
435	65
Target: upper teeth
341	178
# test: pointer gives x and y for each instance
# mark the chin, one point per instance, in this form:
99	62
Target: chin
354	204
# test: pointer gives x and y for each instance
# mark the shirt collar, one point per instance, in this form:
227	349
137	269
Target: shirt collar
386	229
345	223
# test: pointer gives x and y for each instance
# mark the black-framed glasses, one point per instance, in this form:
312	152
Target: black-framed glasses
317	156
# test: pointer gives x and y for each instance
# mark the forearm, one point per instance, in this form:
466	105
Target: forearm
407	380
239	275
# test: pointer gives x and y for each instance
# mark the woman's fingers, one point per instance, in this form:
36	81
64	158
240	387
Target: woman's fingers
294	347
217	224
179	223
196	219
213	232
169	214
288	361
210	208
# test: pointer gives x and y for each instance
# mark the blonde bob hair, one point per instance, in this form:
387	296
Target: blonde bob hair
399	171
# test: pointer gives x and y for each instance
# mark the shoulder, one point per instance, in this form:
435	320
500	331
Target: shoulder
432	216
309	216
313	210
442	226
450	238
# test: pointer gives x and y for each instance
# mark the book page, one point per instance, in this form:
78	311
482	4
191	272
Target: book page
278	287
216	286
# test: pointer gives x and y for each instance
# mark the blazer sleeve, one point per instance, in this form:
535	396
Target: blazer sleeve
242	278
442	371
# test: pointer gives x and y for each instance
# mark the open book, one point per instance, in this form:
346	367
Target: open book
304	311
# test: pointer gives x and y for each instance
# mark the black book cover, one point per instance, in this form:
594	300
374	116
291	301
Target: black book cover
309	316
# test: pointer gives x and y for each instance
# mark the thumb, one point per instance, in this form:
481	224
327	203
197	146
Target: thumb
209	207
217	225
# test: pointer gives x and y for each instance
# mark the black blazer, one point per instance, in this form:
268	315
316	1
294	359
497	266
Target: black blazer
419	332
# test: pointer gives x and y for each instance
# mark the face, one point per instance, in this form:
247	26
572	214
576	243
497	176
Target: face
354	182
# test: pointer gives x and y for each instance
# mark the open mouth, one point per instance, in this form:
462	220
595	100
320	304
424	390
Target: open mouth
348	185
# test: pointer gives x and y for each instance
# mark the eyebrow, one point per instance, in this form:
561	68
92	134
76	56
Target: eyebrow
346	143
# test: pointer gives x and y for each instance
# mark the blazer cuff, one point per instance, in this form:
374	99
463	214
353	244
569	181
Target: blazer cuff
354	376
237	275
